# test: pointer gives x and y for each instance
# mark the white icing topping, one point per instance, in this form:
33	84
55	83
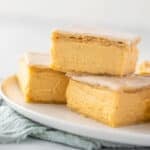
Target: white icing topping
33	58
100	32
112	82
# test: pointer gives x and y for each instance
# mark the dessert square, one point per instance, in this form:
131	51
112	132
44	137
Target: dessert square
113	101
144	68
94	51
38	82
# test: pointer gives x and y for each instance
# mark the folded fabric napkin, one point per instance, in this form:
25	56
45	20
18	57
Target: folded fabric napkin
16	128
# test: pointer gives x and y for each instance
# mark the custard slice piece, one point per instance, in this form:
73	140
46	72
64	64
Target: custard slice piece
38	82
144	68
93	51
111	100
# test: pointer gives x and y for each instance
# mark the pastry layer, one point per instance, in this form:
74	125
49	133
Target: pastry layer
112	107
38	82
126	83
97	54
144	68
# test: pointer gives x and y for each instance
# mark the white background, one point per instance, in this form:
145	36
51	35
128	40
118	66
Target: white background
25	25
131	13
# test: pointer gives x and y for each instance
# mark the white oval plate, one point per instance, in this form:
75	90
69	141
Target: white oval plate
60	117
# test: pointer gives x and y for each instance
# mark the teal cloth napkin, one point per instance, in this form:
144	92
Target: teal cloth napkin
16	128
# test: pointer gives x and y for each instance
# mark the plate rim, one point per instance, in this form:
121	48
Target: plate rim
112	134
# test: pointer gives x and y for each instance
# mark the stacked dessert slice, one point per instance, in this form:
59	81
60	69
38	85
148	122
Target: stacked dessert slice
115	96
111	100
144	68
95	52
38	82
